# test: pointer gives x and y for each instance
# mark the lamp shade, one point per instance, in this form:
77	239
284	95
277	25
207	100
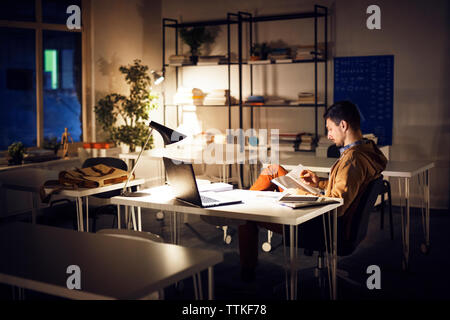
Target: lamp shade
157	77
169	135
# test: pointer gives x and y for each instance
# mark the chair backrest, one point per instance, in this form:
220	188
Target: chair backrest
112	162
333	151
131	234
360	220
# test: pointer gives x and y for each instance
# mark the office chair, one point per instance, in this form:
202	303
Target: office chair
333	152
106	209
151	237
350	233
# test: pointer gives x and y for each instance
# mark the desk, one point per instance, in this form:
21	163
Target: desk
219	154
403	170
83	194
36	257
257	206
31	180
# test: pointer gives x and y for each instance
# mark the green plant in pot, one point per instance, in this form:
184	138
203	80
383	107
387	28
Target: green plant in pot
123	117
16	152
195	37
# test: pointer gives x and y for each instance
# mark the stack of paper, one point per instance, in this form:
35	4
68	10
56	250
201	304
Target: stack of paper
217	97
189	96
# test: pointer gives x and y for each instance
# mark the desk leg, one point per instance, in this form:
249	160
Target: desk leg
87	214
118	216
210	283
334	256
425	247
139	214
79	203
293	258
405	214
35	209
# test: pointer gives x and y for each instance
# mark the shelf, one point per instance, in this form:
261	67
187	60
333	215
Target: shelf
202	105
245	63
302	15
285	105
248	105
200	23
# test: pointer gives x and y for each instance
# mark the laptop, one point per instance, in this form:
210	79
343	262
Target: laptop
182	180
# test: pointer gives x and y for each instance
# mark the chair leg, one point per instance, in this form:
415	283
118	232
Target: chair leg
391	223
382	212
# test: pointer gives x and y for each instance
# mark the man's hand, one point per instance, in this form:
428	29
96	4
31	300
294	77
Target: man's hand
310	178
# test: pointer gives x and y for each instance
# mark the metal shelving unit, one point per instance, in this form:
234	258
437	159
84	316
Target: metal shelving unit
239	19
319	12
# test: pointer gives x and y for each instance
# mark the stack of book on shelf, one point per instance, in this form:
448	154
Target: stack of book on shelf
211	60
178	60
306	52
287	141
218	97
267	61
305	143
255	100
189	96
305	98
322	147
280	55
273	100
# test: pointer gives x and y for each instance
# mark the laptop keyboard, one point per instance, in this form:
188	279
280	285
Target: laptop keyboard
207	200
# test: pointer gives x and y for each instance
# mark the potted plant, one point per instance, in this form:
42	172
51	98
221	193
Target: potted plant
132	110
195	37
16	151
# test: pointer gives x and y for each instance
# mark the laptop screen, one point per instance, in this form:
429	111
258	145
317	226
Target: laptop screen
182	181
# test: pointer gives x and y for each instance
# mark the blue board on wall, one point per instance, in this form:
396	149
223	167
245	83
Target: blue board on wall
368	82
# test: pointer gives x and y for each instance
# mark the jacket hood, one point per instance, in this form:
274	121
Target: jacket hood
372	154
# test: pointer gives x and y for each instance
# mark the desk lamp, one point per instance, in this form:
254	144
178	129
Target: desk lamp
169	136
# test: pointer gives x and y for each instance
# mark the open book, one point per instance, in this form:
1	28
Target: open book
292	180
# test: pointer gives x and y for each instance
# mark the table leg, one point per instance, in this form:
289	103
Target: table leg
210	283
139	214
118	216
293	256
79	201
405	224
35	210
425	247
87	214
334	256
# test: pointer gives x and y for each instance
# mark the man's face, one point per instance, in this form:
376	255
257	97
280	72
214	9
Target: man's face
336	132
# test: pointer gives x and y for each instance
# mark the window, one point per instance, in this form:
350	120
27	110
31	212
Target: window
17	87
62	84
23	115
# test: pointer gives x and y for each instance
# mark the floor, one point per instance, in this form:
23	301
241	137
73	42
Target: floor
428	277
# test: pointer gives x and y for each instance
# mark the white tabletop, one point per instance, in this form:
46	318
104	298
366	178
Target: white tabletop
257	206
202	154
84	192
36	257
406	169
27	179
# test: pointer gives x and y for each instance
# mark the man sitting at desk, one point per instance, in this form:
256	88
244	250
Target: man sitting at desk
360	162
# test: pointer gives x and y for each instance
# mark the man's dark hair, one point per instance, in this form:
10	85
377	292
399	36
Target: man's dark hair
344	110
